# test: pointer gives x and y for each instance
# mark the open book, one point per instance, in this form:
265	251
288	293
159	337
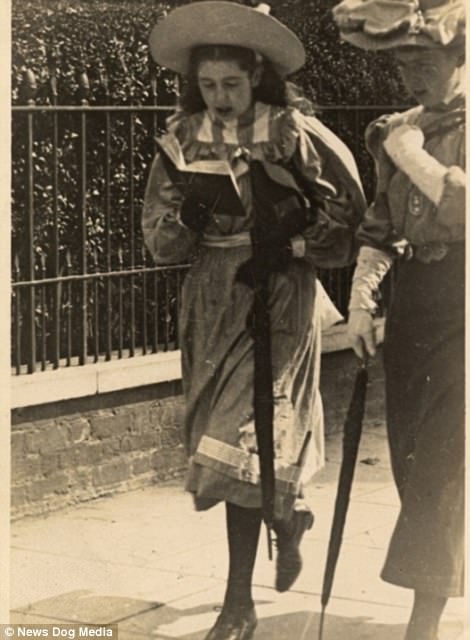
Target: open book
211	181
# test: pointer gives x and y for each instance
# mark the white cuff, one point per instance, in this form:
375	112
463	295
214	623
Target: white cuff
371	268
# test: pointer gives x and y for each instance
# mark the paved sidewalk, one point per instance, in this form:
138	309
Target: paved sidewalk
148	562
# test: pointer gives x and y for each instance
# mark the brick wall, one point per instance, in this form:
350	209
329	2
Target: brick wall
72	451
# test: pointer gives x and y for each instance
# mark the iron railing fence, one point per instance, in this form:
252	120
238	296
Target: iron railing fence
84	287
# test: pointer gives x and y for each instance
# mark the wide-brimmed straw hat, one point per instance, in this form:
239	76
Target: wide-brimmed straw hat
388	24
224	23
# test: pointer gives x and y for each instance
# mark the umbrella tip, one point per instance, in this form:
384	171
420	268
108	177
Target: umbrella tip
322	621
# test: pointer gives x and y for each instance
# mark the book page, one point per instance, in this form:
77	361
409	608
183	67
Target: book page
170	145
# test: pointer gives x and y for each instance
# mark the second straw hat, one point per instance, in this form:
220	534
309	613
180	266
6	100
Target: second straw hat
224	23
388	24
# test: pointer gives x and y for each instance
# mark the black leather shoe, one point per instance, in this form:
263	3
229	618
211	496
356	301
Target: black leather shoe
288	538
234	625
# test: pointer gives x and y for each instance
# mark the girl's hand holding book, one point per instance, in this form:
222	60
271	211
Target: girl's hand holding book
195	214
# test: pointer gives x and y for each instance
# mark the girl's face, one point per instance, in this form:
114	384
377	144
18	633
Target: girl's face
226	89
432	76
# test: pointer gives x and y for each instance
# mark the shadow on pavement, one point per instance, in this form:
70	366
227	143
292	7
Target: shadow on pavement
278	619
141	620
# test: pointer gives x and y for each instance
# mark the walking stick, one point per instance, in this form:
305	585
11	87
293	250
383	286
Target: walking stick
351	437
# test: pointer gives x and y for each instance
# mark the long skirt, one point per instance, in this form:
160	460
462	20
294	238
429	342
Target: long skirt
424	366
218	375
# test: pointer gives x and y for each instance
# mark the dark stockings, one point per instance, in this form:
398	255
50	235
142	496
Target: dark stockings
243	528
425	616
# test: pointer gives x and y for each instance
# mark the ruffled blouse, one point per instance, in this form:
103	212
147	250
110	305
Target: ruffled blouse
268	133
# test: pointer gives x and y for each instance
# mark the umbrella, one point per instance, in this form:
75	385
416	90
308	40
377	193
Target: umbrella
273	198
351	438
264	402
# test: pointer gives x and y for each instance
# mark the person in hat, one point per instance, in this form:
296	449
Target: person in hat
418	217
234	107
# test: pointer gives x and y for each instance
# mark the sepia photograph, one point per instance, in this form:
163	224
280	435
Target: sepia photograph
235	320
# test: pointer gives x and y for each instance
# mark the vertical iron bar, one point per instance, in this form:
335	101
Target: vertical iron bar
31	294
43	314
96	308
69	305
55	211
107	180
120	302
84	91
109	307
18	323
177	307
167	313
357	139
154	92
155	334
144	303
132	233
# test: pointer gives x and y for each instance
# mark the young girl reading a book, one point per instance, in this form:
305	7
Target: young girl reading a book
307	194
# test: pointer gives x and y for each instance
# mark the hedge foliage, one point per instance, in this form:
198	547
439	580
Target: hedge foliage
108	38
96	50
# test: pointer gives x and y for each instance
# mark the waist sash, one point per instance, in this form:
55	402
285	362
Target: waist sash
226	242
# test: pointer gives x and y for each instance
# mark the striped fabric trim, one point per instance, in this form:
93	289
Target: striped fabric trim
262	121
230	133
240	464
205	133
235	133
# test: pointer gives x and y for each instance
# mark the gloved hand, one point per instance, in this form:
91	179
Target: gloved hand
195	214
270	258
361	334
372	266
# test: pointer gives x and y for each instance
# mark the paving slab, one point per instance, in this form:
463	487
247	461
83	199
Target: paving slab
281	617
38	579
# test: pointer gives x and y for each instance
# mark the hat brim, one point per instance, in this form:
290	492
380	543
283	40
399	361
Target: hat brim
224	23
392	41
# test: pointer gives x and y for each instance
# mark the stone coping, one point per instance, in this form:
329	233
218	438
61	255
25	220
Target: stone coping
104	377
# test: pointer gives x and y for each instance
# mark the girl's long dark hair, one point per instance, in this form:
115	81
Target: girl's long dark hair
271	89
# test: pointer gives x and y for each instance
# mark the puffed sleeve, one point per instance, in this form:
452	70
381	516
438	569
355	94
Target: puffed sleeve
376	229
334	189
167	239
